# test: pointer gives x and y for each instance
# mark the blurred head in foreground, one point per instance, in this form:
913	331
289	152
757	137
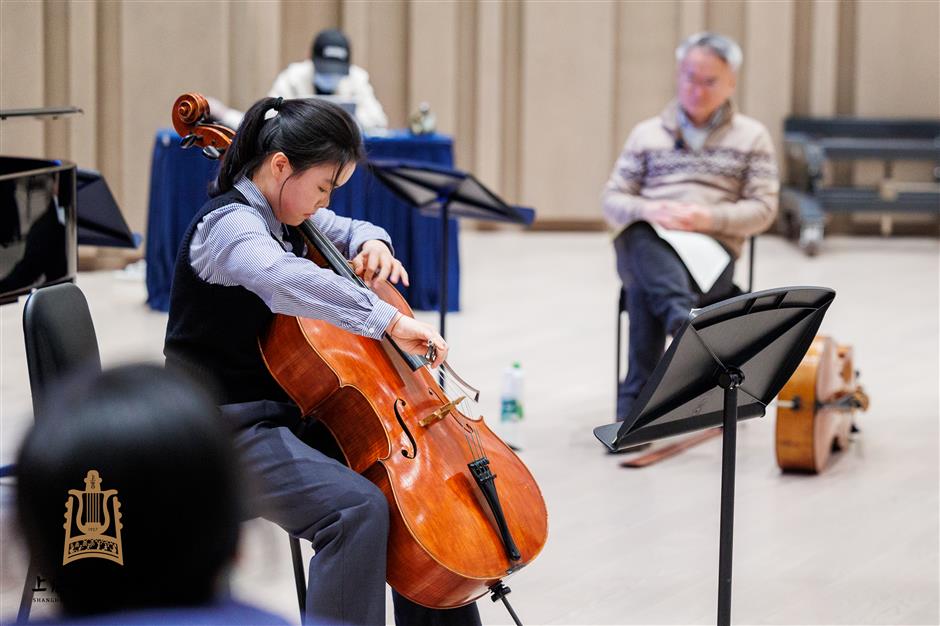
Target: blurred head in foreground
129	492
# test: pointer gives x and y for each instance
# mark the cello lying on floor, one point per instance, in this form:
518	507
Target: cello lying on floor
816	408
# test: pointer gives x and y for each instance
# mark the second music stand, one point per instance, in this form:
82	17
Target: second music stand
751	343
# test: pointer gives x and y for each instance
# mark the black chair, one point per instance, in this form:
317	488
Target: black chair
622	305
60	339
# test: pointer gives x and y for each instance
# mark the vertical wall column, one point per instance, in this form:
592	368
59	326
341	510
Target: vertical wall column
567	107
253	62
823	53
729	17
646	65
300	21
432	60
82	62
768	66
56	74
378	34
22	83
513	79
110	127
489	133
691	17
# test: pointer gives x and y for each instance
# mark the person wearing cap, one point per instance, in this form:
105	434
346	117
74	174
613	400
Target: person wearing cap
328	72
699	166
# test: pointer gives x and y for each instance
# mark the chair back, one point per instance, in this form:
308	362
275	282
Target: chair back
60	337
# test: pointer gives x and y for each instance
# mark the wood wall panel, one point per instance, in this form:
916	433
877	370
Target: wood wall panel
300	21
540	96
566	106
252	61
729	17
490	81
646	74
802	49
22	83
111	125
83	82
767	74
822	58
153	74
385	54
898	68
466	83
55	76
513	84
432	60
691	16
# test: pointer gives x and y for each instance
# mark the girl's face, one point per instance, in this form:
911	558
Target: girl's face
295	198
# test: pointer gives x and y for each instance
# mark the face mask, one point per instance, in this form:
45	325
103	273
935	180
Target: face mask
326	83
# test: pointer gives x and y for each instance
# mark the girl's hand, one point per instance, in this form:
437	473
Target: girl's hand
376	263
412	336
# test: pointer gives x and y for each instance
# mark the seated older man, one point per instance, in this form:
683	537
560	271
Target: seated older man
699	166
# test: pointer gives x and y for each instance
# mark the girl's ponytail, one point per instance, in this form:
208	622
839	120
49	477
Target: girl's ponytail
244	148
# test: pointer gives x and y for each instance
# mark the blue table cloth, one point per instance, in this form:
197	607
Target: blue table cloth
179	183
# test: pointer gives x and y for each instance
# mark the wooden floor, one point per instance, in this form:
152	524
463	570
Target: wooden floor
855	545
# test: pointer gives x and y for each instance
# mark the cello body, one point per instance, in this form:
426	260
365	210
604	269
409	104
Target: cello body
444	548
816	411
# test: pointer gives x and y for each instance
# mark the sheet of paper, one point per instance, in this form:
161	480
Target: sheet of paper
703	256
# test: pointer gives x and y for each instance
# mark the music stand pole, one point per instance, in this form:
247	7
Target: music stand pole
729	381
445	249
761	336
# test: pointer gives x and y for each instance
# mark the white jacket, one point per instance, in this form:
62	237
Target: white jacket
296	81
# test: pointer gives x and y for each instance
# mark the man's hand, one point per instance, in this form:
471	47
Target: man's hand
679	215
412	336
376	263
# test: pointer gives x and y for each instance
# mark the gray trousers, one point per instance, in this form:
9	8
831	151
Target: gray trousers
660	294
343	515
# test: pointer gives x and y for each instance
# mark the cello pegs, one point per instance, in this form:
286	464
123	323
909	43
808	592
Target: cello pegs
188	140
212	152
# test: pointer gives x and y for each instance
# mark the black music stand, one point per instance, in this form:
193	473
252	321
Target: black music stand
100	222
444	192
752	343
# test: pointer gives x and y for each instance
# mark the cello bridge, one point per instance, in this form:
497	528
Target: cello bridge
441	413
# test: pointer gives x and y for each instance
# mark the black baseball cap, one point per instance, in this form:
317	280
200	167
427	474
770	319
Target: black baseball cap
331	53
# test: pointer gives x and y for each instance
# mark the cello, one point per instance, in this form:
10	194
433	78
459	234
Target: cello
455	531
816	408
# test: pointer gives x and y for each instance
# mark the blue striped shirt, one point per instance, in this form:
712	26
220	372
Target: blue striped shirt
244	245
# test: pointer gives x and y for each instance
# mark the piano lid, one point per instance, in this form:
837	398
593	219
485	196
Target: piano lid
53	112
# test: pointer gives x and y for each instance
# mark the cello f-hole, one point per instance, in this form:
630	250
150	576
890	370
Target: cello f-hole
414	446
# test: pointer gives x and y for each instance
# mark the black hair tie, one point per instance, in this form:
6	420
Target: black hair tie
277	103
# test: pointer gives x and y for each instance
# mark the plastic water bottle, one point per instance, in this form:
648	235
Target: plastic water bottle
511	407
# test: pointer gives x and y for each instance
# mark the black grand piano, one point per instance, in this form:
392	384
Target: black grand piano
47	208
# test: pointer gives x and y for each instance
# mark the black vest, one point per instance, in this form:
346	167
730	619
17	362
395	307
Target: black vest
212	333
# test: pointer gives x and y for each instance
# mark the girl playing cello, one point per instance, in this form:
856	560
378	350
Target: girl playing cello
237	267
